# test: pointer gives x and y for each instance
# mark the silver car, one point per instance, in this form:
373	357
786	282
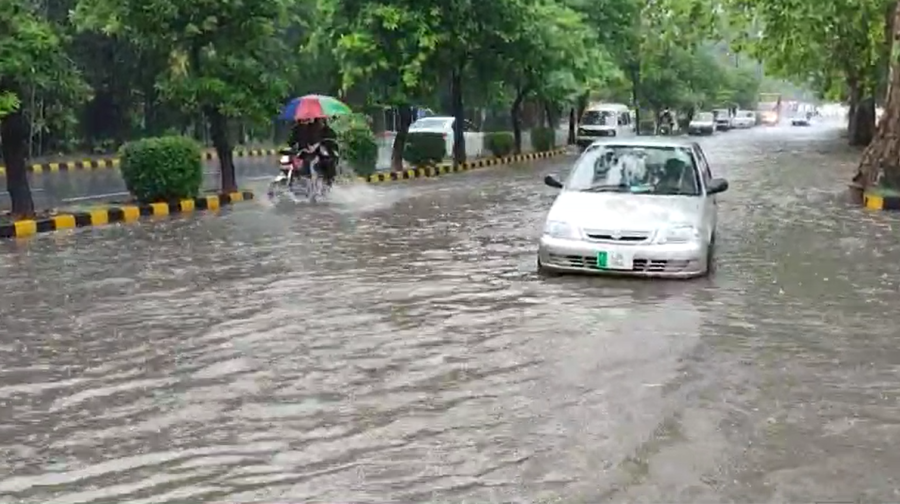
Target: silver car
643	207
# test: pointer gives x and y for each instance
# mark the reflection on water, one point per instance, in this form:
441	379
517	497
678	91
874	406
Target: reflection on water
396	345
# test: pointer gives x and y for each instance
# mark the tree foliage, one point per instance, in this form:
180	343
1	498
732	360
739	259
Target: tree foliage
218	70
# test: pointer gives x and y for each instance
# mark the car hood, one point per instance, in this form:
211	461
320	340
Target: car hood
632	212
597	127
701	123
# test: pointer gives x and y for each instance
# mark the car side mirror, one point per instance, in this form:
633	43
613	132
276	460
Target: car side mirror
717	186
552	181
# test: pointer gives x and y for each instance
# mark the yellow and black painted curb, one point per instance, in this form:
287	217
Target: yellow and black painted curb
437	171
123	213
874	201
112	162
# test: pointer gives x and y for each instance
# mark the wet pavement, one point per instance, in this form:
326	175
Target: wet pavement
396	345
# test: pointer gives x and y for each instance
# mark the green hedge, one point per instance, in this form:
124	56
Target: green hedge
543	139
501	143
162	169
425	149
357	143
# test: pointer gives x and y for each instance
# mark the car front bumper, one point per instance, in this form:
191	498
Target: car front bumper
701	130
681	260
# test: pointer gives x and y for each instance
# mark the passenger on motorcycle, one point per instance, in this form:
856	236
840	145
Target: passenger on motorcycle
667	121
316	143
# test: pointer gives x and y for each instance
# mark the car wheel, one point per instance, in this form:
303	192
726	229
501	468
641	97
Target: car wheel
711	255
542	271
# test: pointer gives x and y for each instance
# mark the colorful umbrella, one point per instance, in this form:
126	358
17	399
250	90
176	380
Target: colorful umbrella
313	107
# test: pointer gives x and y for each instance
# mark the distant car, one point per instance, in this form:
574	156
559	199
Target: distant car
800	120
704	123
443	125
723	119
744	119
641	206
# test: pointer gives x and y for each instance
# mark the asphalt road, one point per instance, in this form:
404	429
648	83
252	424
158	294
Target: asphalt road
396	345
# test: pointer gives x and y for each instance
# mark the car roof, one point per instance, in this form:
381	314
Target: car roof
436	118
646	142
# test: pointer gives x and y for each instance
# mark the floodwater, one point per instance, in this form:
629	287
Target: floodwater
397	346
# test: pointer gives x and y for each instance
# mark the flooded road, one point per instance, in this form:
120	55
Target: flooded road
397	346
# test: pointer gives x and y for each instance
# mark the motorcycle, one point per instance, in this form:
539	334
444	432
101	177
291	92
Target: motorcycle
291	179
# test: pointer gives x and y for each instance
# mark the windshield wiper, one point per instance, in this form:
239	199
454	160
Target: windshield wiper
673	192
607	188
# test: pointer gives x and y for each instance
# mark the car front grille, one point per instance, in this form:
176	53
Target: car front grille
605	235
640	265
596	133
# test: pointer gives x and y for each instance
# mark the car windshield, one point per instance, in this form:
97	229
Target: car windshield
431	123
747	114
647	169
599	118
704	116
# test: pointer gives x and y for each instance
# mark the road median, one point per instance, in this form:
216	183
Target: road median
111	214
109	162
881	199
447	168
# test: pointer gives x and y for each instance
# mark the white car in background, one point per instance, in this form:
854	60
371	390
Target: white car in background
444	125
636	207
744	119
704	123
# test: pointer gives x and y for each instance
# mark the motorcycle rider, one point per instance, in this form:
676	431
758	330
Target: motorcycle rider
328	152
666	121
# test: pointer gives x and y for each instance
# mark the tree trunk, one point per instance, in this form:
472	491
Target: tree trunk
571	138
406	116
635	83
855	96
515	115
864	129
14	138
218	125
582	105
880	164
459	113
548	110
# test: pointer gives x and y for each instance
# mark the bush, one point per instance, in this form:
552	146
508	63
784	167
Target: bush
162	169
500	144
357	143
425	149
543	139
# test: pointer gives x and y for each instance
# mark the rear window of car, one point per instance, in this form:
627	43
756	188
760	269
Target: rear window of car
431	123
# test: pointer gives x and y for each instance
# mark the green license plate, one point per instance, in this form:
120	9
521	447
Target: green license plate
603	260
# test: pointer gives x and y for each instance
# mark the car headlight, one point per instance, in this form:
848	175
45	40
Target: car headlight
678	234
561	230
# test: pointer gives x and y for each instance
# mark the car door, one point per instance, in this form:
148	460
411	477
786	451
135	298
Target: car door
710	205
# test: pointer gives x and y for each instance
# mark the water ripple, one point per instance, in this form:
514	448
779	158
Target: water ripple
397	346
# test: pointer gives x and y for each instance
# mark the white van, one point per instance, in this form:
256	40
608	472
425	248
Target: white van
604	120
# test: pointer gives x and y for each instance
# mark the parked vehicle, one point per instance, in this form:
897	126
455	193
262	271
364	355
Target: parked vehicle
802	119
604	120
703	123
744	119
644	207
723	119
444	125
